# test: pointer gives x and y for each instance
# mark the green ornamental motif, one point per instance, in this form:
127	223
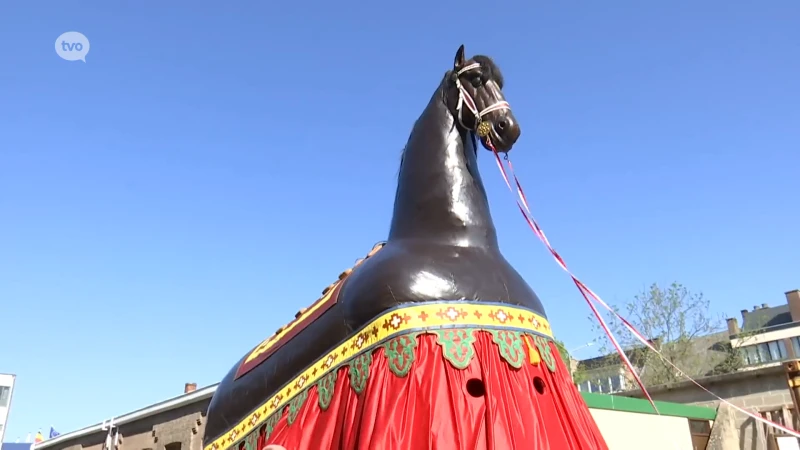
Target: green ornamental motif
545	351
295	405
271	423
511	347
457	346
400	353
359	371
251	441
325	390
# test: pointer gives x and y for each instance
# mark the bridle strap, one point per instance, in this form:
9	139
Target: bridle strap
465	99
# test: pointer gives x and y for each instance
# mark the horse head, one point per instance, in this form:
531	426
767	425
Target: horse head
477	86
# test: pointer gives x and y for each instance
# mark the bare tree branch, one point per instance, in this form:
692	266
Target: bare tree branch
672	318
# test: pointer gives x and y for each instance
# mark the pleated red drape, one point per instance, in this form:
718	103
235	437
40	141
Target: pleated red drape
432	407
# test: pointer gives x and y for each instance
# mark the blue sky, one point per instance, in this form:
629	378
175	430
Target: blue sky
211	168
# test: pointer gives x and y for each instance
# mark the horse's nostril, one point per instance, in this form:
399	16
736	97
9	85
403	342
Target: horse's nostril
501	125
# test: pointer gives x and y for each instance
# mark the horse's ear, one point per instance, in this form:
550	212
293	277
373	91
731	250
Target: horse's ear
459	61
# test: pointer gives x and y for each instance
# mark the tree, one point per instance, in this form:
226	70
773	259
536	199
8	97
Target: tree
562	350
733	359
574	368
672	318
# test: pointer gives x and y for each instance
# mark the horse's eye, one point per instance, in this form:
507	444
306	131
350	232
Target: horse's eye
477	82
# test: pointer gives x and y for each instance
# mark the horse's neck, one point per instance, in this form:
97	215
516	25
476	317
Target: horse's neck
440	196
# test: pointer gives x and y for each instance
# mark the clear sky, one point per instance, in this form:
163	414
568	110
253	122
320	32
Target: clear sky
211	167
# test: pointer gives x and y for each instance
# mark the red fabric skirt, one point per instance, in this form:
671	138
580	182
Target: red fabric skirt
443	399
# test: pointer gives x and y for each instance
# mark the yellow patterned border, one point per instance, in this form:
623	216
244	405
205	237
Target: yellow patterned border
284	330
419	317
257	356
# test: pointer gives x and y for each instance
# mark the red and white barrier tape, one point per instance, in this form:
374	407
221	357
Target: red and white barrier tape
522	203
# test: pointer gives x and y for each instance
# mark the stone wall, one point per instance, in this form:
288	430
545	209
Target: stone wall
759	391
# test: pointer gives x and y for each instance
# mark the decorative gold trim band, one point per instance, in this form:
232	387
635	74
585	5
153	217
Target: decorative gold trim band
405	319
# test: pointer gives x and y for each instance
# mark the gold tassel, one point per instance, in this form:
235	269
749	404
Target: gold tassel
533	352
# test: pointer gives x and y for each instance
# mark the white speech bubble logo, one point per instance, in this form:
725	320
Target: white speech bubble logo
72	46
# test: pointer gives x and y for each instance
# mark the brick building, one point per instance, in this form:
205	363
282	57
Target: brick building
174	424
768	336
768	333
606	375
762	391
6	395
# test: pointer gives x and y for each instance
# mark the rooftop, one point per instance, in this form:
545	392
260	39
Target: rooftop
707	351
708	381
765	317
633	354
158	408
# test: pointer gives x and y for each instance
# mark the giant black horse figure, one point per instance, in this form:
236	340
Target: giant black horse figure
442	251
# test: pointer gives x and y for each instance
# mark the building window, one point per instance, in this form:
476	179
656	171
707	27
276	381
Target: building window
764	352
796	346
602	385
605	385
777	350
750	355
617	383
173	446
699	426
5	394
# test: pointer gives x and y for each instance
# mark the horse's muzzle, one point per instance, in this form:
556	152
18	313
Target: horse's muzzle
505	131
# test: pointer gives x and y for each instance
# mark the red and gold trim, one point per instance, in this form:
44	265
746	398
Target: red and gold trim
424	317
302	319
